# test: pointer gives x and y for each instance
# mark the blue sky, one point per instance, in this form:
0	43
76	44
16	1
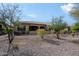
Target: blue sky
43	12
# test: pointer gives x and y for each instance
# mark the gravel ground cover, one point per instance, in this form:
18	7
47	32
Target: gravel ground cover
33	45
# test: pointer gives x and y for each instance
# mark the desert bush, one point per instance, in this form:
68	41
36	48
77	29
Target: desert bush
64	31
42	33
15	47
75	28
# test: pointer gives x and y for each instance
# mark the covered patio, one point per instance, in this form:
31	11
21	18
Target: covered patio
31	27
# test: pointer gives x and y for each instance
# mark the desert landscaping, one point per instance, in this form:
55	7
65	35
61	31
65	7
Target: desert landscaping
33	45
50	32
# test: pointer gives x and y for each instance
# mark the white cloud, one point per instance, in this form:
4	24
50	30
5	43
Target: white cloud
32	15
68	7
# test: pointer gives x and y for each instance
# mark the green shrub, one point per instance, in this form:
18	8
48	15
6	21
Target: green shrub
73	31
3	31
75	27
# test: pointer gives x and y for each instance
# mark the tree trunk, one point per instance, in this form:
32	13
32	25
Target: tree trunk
10	38
73	34
77	33
57	34
42	37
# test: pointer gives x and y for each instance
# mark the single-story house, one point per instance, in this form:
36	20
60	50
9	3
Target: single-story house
31	26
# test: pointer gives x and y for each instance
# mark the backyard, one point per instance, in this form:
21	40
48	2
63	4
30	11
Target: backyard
51	34
33	45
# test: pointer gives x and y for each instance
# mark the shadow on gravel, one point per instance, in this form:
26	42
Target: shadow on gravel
75	41
62	39
5	55
52	41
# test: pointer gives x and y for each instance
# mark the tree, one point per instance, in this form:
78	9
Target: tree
75	12
57	25
9	14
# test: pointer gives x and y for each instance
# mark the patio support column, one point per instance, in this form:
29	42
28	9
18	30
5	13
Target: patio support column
27	28
38	27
